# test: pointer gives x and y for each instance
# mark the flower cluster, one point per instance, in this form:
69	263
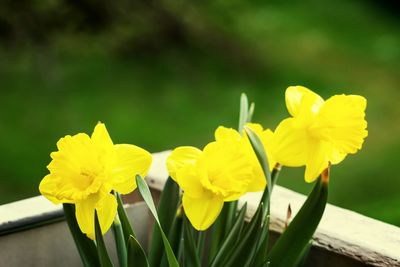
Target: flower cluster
86	170
317	134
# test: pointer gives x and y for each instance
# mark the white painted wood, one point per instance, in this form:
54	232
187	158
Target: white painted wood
52	244
341	231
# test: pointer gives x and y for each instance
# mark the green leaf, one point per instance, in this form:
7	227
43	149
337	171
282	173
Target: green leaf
123	217
228	244
262	245
245	248
244	109
218	231
145	192
105	260
191	258
174	236
86	247
120	242
290	246
251	112
259	150
167	207
230	216
136	255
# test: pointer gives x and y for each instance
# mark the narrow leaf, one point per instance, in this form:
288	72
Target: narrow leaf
174	236
120	242
145	192
244	109
218	231
105	260
229	243
259	150
86	247
190	250
136	255
251	112
245	249
123	217
167	206
290	246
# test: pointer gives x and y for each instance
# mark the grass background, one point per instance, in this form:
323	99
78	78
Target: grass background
177	93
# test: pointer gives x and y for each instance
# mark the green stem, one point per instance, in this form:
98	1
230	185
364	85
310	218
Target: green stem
201	238
120	242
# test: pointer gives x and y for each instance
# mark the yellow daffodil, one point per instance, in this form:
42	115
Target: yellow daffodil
259	181
208	178
86	169
319	132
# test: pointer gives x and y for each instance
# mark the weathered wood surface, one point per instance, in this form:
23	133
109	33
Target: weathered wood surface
52	244
343	237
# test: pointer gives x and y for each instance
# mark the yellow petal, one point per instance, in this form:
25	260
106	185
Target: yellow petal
189	180
267	139
291	143
106	211
257	128
228	168
317	161
50	187
223	133
301	101
341	121
75	169
202	212
102	140
131	160
84	211
180	157
106	207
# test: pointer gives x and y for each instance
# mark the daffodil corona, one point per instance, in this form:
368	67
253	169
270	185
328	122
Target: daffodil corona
221	172
228	134
319	132
86	169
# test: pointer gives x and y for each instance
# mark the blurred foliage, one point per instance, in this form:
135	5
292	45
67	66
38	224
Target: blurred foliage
164	73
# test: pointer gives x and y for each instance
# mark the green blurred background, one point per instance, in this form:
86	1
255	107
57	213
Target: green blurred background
163	73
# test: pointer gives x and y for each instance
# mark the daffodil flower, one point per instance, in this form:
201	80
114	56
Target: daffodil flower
229	134
208	178
319	132
86	169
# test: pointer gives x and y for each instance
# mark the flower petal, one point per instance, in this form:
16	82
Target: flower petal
131	160
75	169
180	157
317	161
104	145
106	206
189	180
290	143
202	212
228	168
106	211
50	187
342	121
84	211
301	101
267	139
223	133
